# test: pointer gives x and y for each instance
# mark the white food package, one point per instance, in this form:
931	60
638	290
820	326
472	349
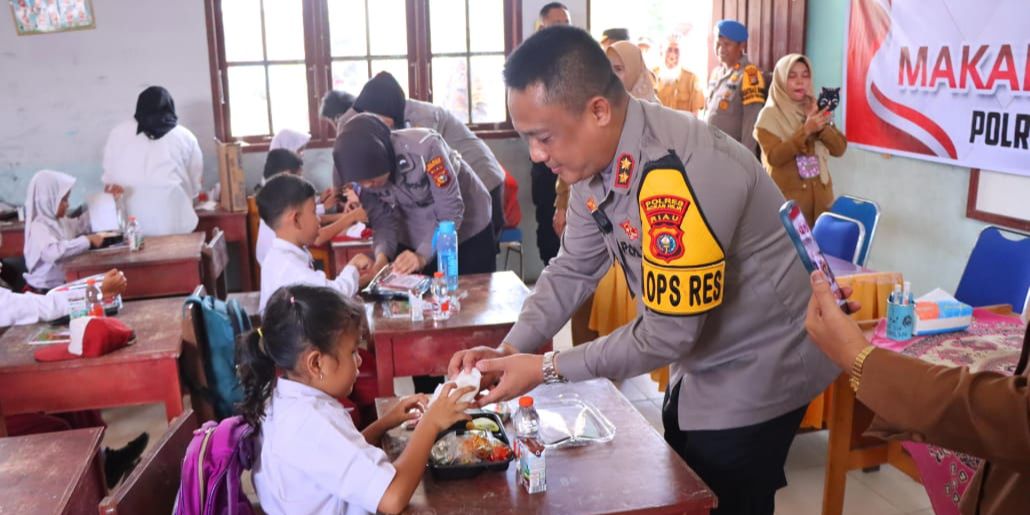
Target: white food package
462	380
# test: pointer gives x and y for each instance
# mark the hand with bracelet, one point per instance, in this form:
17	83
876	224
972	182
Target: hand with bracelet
506	372
834	332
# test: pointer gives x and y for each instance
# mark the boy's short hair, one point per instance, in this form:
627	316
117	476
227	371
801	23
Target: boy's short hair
281	160
280	194
335	103
548	7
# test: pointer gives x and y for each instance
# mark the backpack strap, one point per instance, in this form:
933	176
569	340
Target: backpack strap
200	463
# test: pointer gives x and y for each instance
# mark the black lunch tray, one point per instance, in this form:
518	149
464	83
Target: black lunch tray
445	472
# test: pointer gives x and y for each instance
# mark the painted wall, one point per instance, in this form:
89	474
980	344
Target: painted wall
62	93
923	230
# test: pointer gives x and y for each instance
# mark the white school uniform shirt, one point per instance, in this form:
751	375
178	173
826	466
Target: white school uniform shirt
266	236
48	240
132	159
312	458
29	308
288	264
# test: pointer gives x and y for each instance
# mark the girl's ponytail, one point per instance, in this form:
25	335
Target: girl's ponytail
256	371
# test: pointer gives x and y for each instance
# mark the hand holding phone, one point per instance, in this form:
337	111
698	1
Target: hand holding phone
808	250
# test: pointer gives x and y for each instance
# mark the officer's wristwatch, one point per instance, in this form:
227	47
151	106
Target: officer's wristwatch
551	374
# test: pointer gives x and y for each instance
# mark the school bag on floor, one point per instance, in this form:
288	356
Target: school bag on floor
217	325
215	460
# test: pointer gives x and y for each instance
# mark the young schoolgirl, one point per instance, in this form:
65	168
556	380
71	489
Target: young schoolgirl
50	238
287	205
312	459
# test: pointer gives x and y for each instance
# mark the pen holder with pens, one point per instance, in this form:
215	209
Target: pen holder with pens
901	319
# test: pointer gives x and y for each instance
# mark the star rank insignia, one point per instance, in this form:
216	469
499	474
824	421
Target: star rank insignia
624	171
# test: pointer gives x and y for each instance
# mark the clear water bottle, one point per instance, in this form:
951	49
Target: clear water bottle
133	234
447	253
94	299
441	297
526	419
415	303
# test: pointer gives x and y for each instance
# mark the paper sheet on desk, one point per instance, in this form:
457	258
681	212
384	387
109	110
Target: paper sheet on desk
103	212
355	230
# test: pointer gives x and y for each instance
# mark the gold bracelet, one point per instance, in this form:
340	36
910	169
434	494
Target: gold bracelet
856	367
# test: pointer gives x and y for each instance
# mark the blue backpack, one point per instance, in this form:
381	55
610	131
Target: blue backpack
217	325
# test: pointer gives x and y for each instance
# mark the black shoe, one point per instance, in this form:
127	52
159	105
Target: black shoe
119	462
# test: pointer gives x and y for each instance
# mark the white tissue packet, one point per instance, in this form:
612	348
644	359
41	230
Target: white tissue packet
461	380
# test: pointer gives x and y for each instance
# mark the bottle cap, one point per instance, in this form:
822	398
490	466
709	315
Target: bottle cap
525	401
438	274
91	282
132	218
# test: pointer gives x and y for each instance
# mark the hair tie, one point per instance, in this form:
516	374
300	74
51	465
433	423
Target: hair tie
261	343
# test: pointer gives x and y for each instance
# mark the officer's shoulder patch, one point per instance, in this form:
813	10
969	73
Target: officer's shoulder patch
624	170
752	87
684	265
437	169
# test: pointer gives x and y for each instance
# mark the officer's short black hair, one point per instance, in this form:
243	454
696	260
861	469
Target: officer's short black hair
570	65
281	160
282	192
552	5
335	103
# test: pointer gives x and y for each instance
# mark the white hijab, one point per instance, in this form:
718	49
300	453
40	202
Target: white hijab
46	189
290	140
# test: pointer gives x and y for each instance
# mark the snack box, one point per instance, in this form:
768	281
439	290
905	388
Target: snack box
472	470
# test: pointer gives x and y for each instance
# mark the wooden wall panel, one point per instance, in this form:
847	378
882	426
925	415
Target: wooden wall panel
775	27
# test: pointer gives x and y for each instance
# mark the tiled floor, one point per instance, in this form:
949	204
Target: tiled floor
887	492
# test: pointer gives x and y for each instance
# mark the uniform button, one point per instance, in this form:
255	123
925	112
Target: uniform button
804	186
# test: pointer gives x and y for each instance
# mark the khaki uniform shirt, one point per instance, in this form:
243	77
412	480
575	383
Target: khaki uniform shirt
735	97
432	184
721	293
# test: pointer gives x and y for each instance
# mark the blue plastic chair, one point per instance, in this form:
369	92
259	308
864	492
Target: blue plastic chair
998	270
866	212
511	241
839	236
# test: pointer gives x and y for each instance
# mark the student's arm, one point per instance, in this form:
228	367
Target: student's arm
780	152
443	185
54	249
341	223
29	308
835	142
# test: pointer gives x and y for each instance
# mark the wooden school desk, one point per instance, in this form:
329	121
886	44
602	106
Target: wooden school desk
165	266
406	348
57	473
13	236
636	472
142	373
234	225
342	250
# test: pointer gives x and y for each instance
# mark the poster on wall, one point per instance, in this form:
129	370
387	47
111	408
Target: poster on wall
941	80
46	16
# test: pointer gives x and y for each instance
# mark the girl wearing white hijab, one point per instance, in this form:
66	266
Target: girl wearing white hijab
797	138
291	140
628	64
48	241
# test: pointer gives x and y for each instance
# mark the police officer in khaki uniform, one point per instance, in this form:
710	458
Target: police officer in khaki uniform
692	217
409	181
736	88
382	95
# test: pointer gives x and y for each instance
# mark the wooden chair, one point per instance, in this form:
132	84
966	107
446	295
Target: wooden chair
154	483
253	224
215	258
191	364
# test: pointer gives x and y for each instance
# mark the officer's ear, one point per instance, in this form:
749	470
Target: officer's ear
599	109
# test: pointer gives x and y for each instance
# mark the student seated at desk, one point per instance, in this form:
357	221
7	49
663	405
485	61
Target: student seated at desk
47	230
410	181
287	205
311	457
285	161
30	308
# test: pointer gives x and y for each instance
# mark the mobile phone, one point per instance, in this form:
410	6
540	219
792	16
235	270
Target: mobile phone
829	99
807	248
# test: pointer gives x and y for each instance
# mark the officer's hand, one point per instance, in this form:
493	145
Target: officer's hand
559	222
816	120
834	332
408	262
519	374
464	360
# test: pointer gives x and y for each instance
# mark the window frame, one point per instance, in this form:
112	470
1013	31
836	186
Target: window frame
318	62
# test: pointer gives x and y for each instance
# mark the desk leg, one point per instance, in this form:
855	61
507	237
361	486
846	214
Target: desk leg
842	405
172	389
384	365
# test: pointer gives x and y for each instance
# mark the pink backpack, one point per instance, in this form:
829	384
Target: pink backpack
215	459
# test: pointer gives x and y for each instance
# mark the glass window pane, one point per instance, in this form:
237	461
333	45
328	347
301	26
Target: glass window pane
397	67
486	26
241	21
347	28
488	102
450	85
349	76
447	26
388	27
248	114
284	29
288	91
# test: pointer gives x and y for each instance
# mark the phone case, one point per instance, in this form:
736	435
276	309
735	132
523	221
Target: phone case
807	248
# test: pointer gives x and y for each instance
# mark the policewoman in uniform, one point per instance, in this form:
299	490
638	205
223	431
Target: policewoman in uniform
736	88
409	181
382	95
692	217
